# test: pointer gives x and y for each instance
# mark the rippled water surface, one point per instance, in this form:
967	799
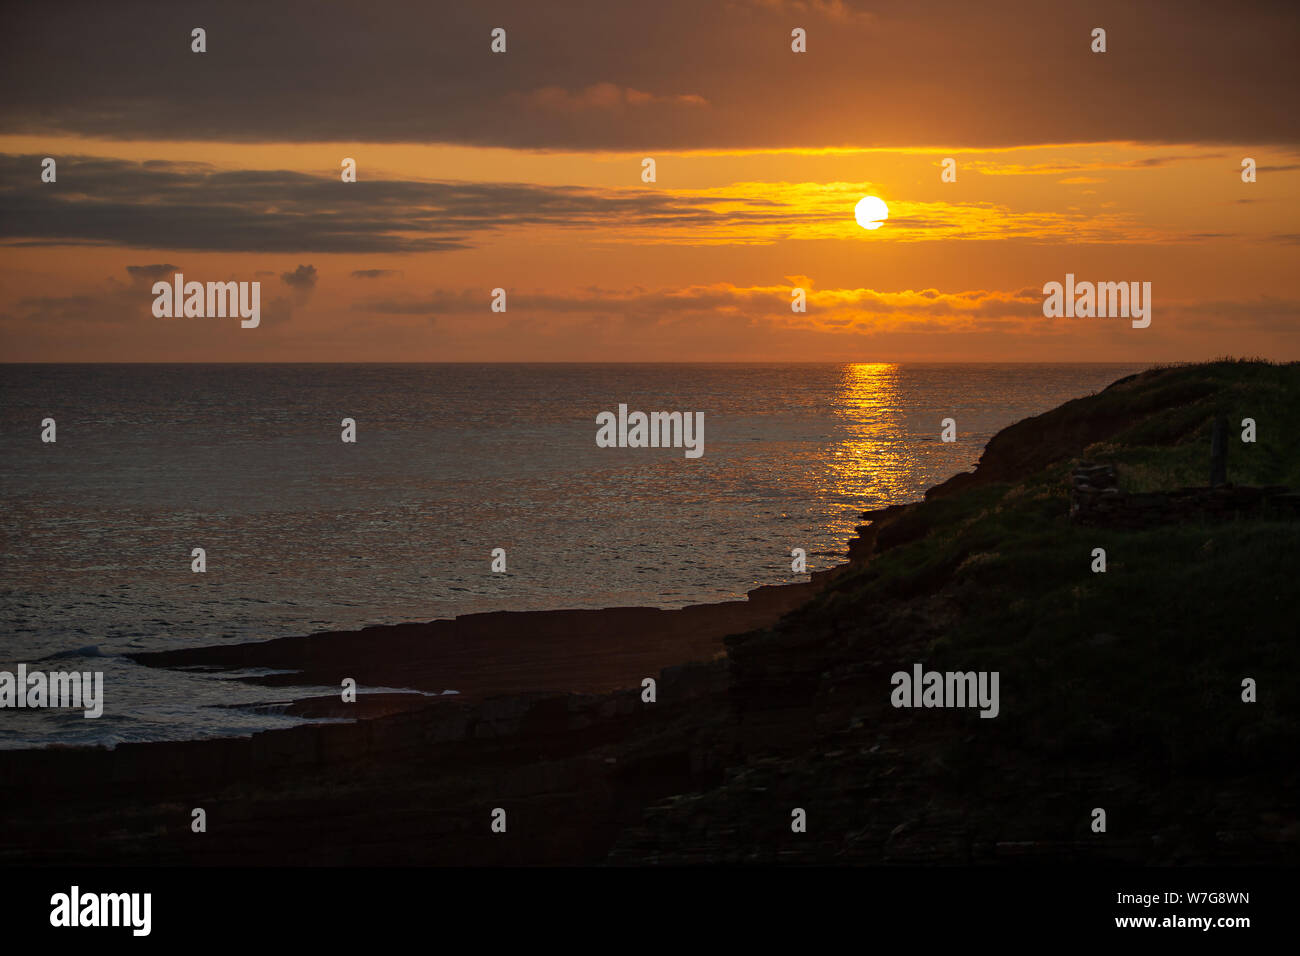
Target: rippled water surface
304	532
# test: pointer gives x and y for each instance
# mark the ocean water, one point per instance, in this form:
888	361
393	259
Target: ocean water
304	532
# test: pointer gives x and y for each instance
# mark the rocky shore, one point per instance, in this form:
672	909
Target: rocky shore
1121	692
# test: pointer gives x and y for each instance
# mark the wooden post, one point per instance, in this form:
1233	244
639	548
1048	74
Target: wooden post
1219	452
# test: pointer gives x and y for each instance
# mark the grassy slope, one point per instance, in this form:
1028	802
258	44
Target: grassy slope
1149	655
1130	679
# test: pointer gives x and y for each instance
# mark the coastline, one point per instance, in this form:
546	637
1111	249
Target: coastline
502	653
559	688
783	700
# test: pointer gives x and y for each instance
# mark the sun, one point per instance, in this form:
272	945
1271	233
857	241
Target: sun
871	212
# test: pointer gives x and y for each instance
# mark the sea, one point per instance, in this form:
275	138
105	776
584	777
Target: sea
304	532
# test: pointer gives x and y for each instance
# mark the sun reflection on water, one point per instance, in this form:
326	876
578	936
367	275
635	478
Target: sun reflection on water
876	464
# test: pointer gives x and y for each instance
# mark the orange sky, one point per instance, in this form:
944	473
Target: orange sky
599	266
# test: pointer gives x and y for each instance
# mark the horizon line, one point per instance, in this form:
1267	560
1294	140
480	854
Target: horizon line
1151	363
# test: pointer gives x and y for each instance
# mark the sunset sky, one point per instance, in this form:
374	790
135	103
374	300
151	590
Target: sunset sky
522	170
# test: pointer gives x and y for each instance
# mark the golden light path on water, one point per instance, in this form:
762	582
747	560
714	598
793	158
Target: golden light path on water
876	464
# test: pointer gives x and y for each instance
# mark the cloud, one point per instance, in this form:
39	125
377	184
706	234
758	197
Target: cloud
1147	162
115	302
827	309
375	273
278	311
675	311
303	277
995	168
69	308
198	207
598	96
301	282
835	11
153	273
1261	313
945	73
724	319
187	206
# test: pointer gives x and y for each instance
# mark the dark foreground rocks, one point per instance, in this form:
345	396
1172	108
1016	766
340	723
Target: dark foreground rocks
1162	692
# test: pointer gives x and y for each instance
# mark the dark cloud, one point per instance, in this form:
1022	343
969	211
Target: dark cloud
301	282
277	311
187	206
1149	162
133	302
116	302
303	277
374	273
672	74
152	273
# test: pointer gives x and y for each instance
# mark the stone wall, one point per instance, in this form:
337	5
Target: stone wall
1096	499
